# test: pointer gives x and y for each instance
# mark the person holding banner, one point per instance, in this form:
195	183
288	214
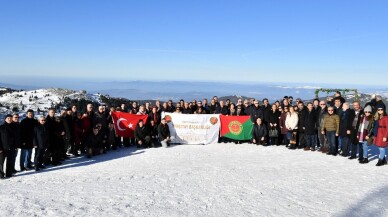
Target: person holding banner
259	132
164	133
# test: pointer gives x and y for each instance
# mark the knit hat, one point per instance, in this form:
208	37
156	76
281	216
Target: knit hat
368	109
380	106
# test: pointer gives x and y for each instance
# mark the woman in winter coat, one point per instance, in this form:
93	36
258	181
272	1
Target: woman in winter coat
273	125
364	133
292	126
259	132
381	134
282	123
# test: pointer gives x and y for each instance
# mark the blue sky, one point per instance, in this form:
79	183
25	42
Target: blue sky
286	41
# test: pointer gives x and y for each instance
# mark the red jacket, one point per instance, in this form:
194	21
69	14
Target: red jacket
382	133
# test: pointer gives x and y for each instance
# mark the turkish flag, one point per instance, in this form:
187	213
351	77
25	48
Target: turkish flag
126	123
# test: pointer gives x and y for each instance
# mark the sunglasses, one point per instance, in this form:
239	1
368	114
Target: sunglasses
322	104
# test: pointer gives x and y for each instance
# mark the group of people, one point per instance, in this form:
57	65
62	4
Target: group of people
329	126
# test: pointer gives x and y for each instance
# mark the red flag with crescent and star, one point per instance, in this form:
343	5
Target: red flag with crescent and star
125	123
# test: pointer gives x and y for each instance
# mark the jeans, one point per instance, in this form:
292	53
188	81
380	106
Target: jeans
358	146
311	140
365	149
25	158
331	140
382	153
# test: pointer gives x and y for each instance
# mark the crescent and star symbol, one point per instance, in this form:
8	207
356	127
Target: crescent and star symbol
130	125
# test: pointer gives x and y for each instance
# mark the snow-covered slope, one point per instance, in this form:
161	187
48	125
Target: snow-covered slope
43	98
190	180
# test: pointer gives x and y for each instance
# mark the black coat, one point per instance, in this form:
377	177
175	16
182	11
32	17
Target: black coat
266	113
141	132
301	121
224	110
151	117
163	131
311	122
41	137
259	131
346	122
7	137
274	119
27	127
94	141
256	112
17	133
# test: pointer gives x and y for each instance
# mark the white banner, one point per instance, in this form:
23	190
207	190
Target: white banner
193	128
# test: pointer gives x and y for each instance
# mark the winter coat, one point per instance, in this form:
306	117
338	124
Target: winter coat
356	125
364	128
331	123
141	132
282	123
310	122
17	133
77	131
41	137
224	110
274	119
55	128
153	116
27	126
321	115
256	112
94	141
346	122
259	131
7	137
266	112
302	119
163	131
154	131
382	132
292	121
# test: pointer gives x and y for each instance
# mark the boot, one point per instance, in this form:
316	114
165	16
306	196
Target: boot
384	161
380	163
364	161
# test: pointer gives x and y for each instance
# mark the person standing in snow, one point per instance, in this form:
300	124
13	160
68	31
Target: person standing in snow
7	145
41	142
381	133
27	126
292	126
364	133
330	127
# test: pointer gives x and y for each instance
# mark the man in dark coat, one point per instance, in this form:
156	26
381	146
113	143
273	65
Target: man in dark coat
56	142
301	128
164	133
346	126
356	146
256	112
27	127
18	142
7	145
41	142
142	135
259	132
310	123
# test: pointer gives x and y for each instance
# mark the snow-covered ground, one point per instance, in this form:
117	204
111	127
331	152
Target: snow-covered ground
192	180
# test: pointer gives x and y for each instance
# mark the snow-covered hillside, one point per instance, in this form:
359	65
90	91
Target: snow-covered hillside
192	180
43	99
